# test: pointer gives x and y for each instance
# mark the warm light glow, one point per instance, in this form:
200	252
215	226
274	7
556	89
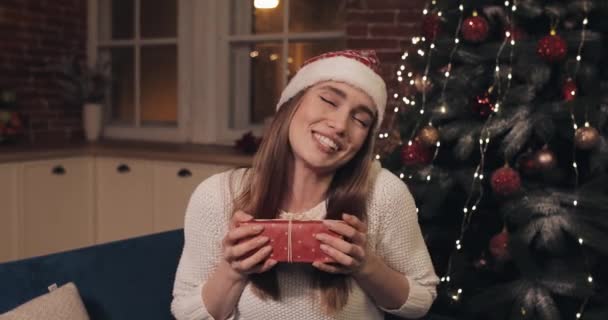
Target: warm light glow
265	4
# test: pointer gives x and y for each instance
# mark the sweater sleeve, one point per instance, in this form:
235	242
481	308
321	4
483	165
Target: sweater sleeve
204	226
400	243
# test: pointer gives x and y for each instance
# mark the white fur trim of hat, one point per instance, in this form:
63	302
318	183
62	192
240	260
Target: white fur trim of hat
357	68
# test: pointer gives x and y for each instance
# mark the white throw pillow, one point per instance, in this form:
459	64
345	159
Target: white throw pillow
63	303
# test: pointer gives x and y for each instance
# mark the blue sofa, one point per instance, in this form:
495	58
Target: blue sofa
128	279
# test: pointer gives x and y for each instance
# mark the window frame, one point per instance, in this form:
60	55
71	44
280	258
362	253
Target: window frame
178	133
203	45
226	134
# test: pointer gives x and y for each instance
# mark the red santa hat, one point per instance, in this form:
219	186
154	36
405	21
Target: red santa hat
358	68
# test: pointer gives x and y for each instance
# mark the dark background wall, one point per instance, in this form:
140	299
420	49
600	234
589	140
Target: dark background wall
33	35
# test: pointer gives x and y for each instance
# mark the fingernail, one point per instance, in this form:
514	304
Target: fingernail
263	240
319	236
258	228
324	247
267	248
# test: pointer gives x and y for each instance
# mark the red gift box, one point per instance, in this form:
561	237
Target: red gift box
294	240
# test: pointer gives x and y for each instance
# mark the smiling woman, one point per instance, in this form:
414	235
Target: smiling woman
330	125
315	163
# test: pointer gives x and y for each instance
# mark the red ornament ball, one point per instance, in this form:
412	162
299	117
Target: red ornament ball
505	181
431	26
499	246
526	163
552	48
416	154
569	90
475	29
483	105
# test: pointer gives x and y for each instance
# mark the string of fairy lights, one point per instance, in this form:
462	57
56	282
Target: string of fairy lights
470	206
584	23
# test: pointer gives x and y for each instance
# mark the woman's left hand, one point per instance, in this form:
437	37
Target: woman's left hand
350	253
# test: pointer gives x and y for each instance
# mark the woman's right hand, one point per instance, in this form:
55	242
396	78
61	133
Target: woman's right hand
245	250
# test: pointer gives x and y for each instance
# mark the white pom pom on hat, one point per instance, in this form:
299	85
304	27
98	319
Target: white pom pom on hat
358	68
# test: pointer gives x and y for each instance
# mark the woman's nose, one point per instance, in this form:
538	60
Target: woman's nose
338	121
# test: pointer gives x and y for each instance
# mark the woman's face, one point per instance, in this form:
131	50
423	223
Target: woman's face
330	125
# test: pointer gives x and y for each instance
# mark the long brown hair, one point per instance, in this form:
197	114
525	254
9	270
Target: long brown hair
263	191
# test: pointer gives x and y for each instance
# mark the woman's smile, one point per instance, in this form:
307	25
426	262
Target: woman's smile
325	143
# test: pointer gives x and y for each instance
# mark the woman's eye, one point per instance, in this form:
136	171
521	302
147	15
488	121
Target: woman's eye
364	123
327	101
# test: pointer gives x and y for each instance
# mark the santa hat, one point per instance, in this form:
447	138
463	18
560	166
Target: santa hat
358	68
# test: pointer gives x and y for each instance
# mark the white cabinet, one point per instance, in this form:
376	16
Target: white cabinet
173	184
124	198
8	212
57	206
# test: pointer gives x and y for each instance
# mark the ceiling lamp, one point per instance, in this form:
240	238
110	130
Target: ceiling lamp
265	4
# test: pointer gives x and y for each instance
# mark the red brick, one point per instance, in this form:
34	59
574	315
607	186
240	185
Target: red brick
377	43
357	30
409	16
389	56
364	16
395	4
65	122
400	30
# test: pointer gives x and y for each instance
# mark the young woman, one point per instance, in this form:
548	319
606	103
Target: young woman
315	162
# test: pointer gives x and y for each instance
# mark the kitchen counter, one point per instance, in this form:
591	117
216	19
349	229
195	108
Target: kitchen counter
128	149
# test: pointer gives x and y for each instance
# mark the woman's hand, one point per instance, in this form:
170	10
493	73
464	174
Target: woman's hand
350	254
244	250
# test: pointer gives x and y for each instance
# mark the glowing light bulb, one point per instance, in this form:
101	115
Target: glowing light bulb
265	4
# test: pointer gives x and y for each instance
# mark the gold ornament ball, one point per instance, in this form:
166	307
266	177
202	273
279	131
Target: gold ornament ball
545	159
429	136
586	138
422	85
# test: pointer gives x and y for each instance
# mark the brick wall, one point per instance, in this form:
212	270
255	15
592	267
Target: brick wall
386	26
35	34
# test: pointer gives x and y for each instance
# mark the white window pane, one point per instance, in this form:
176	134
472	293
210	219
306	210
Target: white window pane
246	19
316	15
158	18
256	80
301	51
122	101
116	19
159	85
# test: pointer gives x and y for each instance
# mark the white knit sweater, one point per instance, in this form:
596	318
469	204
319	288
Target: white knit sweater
393	232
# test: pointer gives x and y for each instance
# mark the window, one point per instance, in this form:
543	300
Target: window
204	71
265	45
143	43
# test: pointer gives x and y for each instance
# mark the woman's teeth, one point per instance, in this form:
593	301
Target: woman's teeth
326	141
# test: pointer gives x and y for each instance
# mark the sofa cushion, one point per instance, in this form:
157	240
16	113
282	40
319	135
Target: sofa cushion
61	303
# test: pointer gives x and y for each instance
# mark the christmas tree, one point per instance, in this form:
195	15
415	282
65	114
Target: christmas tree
499	130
